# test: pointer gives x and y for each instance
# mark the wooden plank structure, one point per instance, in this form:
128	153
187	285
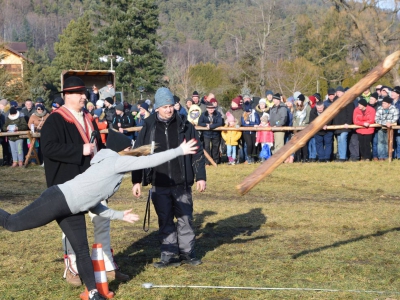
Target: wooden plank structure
301	138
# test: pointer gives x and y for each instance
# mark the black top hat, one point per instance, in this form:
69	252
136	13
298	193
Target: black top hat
73	84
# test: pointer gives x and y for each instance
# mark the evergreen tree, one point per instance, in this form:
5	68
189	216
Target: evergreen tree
75	50
129	31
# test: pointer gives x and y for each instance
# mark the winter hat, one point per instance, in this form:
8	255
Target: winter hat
213	100
301	97
268	92
296	94
362	101
98	112
236	100
331	91
263	100
59	101
264	118
145	106
195	94
277	96
340	89
109	82
290	99
374	95
148	101
100	103
189	100
40	106
13	110
39	100
163	97
117	141
396	89
109	100
387	99
13	103
120	107
3	102
176	99
318	96
229	117
313	99
134	108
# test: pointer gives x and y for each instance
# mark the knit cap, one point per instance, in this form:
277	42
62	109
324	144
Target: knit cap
119	107
109	100
100	103
98	112
163	97
229	117
117	141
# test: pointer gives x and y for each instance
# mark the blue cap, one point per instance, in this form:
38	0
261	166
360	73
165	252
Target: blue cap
268	92
98	112
163	97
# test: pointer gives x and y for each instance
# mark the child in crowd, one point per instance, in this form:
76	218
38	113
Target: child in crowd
231	138
265	137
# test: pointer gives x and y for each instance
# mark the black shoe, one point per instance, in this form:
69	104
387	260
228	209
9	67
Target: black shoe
97	296
193	261
173	262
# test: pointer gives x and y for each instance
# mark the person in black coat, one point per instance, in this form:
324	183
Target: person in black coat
323	138
123	120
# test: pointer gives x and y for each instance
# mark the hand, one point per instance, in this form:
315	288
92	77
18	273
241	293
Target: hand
201	185
346	126
121	130
388	125
208	126
88	149
325	127
366	124
256	144
130	218
189	147
136	190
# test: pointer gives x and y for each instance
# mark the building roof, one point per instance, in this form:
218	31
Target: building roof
19	47
18	54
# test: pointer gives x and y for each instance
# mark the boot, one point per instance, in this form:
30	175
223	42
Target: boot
229	160
72	279
14	164
117	275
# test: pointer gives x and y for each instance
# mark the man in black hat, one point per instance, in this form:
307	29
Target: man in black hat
67	152
386	115
331	97
196	98
107	91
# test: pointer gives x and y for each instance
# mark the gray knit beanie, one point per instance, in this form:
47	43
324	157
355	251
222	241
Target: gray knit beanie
163	97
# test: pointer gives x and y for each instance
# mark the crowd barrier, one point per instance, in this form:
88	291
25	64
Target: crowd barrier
34	135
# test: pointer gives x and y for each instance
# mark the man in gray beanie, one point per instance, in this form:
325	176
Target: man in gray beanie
172	181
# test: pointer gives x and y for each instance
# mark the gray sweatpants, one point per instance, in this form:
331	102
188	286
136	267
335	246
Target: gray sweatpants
170	202
17	151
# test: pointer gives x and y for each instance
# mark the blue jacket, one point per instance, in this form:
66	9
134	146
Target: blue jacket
255	120
218	121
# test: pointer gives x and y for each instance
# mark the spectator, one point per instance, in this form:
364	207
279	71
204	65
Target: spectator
312	150
331	97
101	123
262	108
205	101
38	118
364	115
94	94
100	104
107	91
237	111
172	181
366	94
189	102
378	89
249	118
278	116
264	137
386	115
323	138
288	134
15	123
231	138
196	98
28	110
373	102
178	107
211	119
301	117
90	108
109	111
268	101
344	117
194	114
122	121
58	102
395	94
127	107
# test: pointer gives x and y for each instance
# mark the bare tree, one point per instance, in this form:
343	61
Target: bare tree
375	30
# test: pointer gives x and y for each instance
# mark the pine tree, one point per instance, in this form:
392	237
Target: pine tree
76	49
129	31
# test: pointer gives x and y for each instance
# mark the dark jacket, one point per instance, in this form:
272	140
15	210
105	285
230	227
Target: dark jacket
217	121
109	114
256	121
345	116
126	121
192	167
313	116
62	148
278	115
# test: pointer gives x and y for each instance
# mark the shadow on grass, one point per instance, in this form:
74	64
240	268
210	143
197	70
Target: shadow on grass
340	243
141	253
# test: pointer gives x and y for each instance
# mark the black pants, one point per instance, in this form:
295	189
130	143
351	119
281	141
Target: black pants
50	206
250	140
365	145
211	145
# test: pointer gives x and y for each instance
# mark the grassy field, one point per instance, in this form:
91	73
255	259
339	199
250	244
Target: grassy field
307	226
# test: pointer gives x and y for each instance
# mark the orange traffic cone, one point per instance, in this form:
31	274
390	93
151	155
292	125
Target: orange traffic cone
99	274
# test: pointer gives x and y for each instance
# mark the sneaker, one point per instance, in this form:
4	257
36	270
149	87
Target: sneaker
96	296
117	275
72	279
191	261
173	262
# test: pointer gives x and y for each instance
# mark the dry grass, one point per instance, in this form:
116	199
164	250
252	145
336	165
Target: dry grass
320	226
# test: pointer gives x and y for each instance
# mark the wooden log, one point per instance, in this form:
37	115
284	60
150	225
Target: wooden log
209	158
301	138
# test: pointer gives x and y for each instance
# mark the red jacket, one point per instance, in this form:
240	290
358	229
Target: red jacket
360	117
265	136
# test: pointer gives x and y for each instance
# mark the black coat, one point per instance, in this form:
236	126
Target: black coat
218	121
192	166
313	116
62	148
345	116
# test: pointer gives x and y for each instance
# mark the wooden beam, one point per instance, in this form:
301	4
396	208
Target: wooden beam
301	138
